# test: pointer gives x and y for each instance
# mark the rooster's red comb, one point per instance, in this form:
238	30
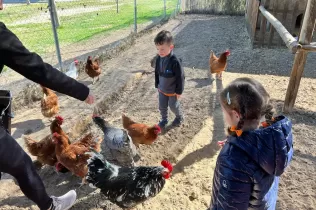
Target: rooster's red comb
56	134
167	165
59	118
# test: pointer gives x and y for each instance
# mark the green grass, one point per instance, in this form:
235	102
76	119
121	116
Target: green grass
78	27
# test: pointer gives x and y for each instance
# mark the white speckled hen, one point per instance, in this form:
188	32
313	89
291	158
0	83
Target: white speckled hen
126	186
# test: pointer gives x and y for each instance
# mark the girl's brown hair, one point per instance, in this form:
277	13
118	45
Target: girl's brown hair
249	98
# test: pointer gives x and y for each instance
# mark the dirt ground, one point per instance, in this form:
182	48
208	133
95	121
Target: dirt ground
192	148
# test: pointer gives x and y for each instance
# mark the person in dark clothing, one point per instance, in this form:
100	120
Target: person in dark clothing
253	157
169	79
13	159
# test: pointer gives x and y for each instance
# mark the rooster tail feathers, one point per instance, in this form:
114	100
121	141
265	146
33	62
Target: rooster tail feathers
95	162
97	168
28	140
31	145
95	156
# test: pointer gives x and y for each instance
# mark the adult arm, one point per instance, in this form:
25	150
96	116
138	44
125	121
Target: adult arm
14	55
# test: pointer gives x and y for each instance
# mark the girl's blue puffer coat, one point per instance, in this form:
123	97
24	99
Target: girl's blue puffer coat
248	168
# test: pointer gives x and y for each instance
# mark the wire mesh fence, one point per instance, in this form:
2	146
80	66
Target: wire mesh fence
81	26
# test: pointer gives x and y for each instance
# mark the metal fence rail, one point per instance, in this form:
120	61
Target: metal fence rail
61	30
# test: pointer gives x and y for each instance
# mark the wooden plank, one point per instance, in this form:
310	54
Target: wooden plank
271	35
295	12
290	10
263	25
306	36
288	39
286	6
255	14
183	6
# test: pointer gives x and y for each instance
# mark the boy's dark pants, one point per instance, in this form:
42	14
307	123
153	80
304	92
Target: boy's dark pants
14	161
173	103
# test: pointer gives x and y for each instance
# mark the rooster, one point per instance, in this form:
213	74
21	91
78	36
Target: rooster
44	149
126	186
49	103
117	144
140	133
93	68
73	156
218	65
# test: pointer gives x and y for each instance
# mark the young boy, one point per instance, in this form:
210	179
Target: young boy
169	79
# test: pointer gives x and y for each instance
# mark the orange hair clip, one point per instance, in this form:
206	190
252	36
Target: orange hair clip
265	124
234	129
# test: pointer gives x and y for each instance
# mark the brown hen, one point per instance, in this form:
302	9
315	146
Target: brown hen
140	133
73	156
93	68
218	65
44	149
49	103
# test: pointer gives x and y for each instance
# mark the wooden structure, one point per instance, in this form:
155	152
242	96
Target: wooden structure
289	12
300	47
305	39
226	7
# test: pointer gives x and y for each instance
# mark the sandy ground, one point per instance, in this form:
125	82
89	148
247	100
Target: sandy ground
192	148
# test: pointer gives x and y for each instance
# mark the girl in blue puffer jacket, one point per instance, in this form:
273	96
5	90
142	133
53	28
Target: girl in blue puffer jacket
254	155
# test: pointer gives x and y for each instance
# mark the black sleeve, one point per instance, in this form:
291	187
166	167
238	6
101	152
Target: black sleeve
14	55
179	77
157	72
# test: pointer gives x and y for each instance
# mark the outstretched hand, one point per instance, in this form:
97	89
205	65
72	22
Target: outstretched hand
221	143
90	99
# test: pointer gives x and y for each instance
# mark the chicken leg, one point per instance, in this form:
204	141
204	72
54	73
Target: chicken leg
93	81
219	76
83	182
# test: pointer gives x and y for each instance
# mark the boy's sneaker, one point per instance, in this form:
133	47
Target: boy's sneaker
177	121
163	123
64	202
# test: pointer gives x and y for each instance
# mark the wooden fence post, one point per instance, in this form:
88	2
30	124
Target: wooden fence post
306	36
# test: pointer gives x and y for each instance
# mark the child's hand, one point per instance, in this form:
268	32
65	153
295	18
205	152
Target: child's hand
178	96
221	143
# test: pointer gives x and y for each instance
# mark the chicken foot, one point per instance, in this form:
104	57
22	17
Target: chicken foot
219	76
83	182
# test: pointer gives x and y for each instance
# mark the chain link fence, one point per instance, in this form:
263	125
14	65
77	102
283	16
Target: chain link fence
61	30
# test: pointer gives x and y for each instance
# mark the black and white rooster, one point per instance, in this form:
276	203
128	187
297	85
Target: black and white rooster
126	186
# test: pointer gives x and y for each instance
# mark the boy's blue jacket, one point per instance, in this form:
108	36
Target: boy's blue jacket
169	74
248	168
